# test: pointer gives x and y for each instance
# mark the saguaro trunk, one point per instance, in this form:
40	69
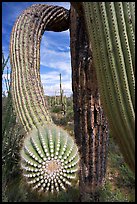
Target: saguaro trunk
90	124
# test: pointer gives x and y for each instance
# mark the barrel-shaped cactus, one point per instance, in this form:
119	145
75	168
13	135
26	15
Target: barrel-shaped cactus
50	159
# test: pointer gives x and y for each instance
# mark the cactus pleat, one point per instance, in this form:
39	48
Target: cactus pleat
111	31
49	162
129	16
49	156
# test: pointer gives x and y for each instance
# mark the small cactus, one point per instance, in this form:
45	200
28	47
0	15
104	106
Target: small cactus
49	159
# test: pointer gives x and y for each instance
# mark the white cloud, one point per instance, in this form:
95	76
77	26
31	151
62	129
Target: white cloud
6	76
50	39
51	83
52	90
54	78
55	56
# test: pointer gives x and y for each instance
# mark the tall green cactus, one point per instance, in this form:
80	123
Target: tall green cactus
49	155
111	30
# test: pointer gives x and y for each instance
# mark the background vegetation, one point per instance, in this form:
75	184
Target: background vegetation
118	186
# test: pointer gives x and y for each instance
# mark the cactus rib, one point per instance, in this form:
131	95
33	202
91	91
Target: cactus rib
112	36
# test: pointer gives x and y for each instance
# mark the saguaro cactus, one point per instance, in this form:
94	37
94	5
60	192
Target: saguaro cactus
90	124
49	156
27	91
111	30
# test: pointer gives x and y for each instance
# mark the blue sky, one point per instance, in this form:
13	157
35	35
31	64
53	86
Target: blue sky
54	51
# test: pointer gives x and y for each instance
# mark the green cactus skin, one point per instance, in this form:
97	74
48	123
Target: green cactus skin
111	30
49	159
27	92
49	156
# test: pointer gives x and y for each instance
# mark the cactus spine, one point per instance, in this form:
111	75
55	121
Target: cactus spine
44	141
111	30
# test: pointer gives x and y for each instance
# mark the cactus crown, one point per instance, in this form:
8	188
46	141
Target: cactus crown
50	159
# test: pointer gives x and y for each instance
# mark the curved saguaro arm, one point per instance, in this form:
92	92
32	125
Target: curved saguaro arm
49	156
27	91
111	30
